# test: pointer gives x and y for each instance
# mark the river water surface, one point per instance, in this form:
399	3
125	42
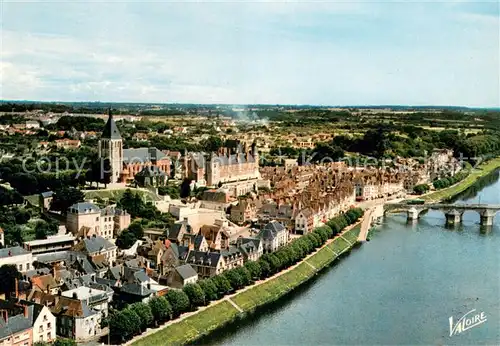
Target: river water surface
400	288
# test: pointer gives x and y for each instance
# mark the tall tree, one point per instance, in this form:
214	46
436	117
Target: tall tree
8	276
65	197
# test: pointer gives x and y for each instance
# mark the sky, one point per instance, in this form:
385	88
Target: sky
247	52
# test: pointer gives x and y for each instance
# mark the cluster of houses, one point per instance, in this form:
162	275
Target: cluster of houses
70	280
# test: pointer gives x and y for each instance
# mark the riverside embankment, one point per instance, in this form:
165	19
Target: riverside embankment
476	173
194	325
401	288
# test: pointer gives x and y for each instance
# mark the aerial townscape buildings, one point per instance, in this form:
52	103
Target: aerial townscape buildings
112	250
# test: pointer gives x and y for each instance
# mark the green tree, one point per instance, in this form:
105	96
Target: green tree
160	308
178	300
136	229
222	284
65	197
195	294
234	278
212	143
24	183
254	269
43	229
144	312
185	189
132	203
172	191
245	275
210	289
8	276
265	268
125	240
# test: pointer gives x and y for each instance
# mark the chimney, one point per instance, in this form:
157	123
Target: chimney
75	296
149	286
10	253
17	288
25	311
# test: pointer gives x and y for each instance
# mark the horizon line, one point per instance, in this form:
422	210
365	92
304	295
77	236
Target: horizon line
260	104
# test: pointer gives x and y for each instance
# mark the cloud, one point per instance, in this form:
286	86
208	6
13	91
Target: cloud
247	52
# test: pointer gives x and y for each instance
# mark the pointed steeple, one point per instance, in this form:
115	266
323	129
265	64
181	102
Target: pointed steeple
110	129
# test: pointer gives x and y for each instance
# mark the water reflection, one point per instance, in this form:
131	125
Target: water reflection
473	191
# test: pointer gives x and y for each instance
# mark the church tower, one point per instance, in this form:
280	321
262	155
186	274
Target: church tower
111	147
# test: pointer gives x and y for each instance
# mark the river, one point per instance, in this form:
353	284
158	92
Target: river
400	288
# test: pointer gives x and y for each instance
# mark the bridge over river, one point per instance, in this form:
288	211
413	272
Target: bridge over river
453	212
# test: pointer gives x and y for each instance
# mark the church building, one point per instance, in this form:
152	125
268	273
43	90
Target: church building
126	163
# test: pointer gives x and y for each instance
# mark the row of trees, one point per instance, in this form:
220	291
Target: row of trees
446	182
135	318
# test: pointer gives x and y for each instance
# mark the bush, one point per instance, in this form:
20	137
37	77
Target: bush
64	342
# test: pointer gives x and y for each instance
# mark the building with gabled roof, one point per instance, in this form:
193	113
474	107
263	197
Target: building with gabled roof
86	219
273	236
16	328
181	276
16	255
94	246
206	264
75	319
251	248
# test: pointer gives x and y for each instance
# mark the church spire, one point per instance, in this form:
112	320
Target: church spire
110	129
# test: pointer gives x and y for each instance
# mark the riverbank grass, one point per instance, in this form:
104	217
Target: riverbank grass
273	289
353	234
476	173
192	327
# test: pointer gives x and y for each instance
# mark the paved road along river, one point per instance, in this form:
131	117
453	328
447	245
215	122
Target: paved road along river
400	288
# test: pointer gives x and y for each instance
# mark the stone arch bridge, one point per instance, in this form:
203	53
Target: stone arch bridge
453	212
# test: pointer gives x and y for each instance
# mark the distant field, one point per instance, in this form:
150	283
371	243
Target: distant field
470	130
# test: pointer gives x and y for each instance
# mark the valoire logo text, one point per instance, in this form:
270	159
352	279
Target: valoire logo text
467	321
